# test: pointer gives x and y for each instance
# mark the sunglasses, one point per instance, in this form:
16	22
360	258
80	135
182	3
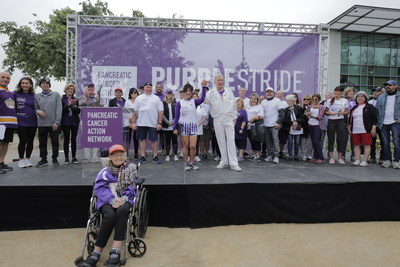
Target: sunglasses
306	99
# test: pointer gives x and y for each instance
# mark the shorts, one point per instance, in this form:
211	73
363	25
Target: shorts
362	139
206	136
144	131
9	135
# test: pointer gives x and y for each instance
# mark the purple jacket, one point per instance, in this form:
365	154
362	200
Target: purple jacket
102	188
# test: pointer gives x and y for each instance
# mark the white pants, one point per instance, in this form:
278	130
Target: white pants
225	133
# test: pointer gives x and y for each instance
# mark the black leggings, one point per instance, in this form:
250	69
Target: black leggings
26	136
43	131
113	218
169	137
70	133
337	128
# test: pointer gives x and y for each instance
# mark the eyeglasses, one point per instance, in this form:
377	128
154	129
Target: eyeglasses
315	99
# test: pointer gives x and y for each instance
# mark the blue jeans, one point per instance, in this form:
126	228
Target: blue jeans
386	129
293	140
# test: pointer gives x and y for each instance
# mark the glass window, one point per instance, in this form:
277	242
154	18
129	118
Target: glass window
355	50
354	80
345	49
364	80
344	69
385	71
379	81
382	51
354	70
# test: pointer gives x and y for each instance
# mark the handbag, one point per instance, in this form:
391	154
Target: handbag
257	131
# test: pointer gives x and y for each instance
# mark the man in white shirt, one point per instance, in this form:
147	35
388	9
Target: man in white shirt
223	109
273	108
147	119
283	135
242	95
388	106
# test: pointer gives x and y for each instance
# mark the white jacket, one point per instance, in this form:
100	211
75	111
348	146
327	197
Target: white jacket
221	107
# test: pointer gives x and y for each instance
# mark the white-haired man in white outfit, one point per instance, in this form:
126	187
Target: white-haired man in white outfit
223	109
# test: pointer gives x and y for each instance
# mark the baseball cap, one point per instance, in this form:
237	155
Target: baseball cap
44	80
90	84
115	148
391	82
269	89
378	89
118	88
148	83
168	91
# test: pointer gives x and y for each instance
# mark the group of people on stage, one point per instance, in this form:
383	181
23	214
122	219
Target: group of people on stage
205	119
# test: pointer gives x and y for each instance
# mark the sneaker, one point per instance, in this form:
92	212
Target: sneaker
363	164
28	163
167	158
396	165
372	160
2	171
181	155
221	166
331	161
115	258
156	160
282	155
386	164
217	158
55	163
236	168
188	167
356	163
256	159
269	159
193	166
240	158
176	158
276	160
197	159
341	162
6	167
92	259
74	161
318	161
22	163
41	163
66	161
141	160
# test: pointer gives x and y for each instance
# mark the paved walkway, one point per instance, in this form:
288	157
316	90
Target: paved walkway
344	244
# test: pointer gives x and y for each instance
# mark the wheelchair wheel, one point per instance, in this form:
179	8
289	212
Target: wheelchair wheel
143	213
137	248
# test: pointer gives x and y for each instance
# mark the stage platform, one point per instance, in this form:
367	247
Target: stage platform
289	192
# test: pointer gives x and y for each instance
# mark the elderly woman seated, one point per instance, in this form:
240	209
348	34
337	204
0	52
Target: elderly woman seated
114	189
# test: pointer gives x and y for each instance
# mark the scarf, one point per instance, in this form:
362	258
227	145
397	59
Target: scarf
127	175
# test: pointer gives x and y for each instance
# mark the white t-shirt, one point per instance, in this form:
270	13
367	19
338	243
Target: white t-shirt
127	112
253	111
200	113
338	105
271	113
314	113
389	110
358	122
206	109
147	107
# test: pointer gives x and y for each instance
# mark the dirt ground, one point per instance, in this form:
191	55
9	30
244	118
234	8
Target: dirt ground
338	244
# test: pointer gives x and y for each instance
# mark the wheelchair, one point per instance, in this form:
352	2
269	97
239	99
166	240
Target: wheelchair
136	226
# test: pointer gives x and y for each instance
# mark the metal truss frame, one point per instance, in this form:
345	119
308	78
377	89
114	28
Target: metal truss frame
323	59
201	25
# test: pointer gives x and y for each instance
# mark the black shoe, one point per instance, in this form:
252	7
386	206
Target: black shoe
66	161
91	260
282	155
5	167
115	258
55	163
156	160
74	160
41	163
141	160
2	171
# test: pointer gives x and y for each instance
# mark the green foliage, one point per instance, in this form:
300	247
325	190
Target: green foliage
40	49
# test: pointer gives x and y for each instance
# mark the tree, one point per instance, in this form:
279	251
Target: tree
40	49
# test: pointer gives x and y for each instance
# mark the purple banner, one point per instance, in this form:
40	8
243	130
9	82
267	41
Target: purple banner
130	56
101	127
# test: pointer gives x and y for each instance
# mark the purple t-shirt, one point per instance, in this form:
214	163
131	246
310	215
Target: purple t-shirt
25	105
67	119
242	117
120	103
161	96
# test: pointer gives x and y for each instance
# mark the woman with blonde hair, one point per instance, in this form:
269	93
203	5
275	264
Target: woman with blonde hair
255	114
305	139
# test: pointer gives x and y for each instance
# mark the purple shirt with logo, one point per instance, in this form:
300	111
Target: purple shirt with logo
25	106
242	117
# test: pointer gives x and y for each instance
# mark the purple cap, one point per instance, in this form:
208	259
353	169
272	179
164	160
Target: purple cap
90	84
169	91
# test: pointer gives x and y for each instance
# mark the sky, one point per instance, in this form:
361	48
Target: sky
283	11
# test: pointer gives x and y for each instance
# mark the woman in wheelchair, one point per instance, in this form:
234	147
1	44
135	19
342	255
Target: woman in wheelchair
115	191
